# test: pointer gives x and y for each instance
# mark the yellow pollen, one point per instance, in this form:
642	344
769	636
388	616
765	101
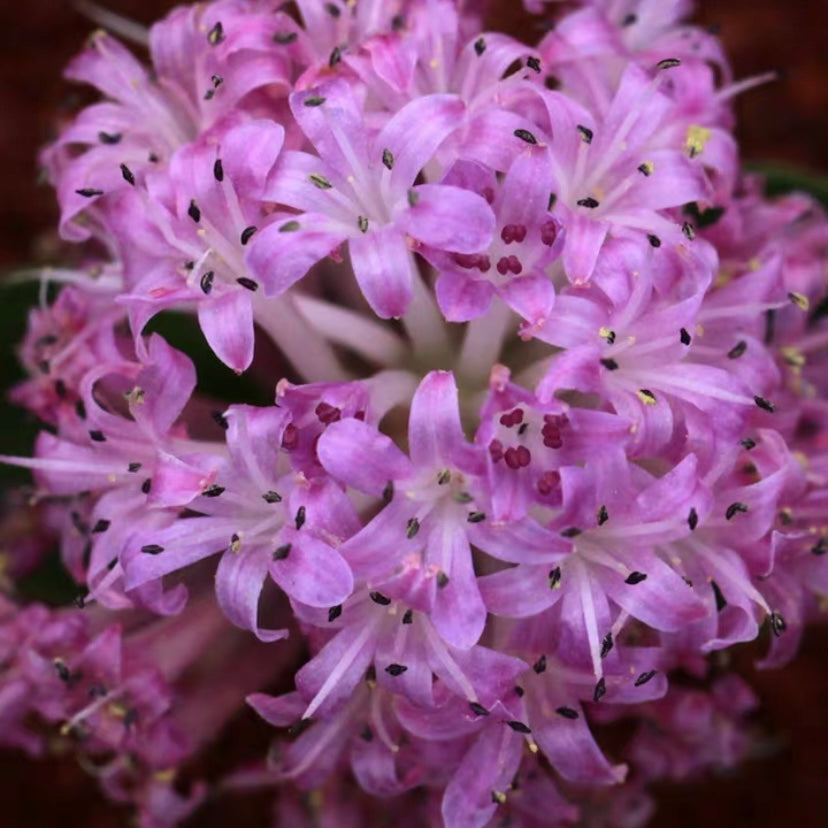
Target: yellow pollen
647	167
696	139
793	357
800	300
533	747
647	397
754	264
165	775
499	797
604	332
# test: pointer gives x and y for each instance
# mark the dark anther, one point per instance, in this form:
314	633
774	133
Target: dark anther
525	135
737	350
777	623
408	616
600	689
770	325
688	230
219	419
478	709
589	201
645	168
654	241
366	734
388	491
718	595
413	197
271	496
126	172
442	580
299	727
248	283
629	20
567	712
635	578
533	63
764	404
60	388
314	100
540	665
518	727
571	532
371	674
476	517
644	678
388	159
362	223
335	56
80	409
320	181
281	552
820	547
703	218
519	691
101	526
479	46
554	577
606	645
332	9
412	527
62	670
109	137
379	598
213	491
603	515
216	80
216	34
732	510
334	613
97	436
550	204
193	212
684	336
668	63
146	485
609	364
89	192
395	669
218	170
152	549
585	133
748	443
247	234
299	520
206	281
283	38
693	518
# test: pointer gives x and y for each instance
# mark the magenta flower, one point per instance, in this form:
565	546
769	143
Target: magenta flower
362	189
561	439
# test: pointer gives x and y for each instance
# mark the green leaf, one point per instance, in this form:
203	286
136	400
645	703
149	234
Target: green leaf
781	179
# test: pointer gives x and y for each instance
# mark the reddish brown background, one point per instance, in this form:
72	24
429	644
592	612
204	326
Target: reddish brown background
783	122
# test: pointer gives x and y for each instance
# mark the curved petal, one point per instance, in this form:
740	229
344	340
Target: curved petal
239	580
312	572
283	252
383	267
227	324
448	218
360	456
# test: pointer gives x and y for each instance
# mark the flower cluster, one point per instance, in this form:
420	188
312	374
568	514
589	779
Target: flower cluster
549	418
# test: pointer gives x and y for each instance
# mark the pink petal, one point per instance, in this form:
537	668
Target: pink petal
227	324
448	218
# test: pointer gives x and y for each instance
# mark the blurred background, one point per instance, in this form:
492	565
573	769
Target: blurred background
785	122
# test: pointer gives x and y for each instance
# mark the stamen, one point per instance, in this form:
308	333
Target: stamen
567	712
